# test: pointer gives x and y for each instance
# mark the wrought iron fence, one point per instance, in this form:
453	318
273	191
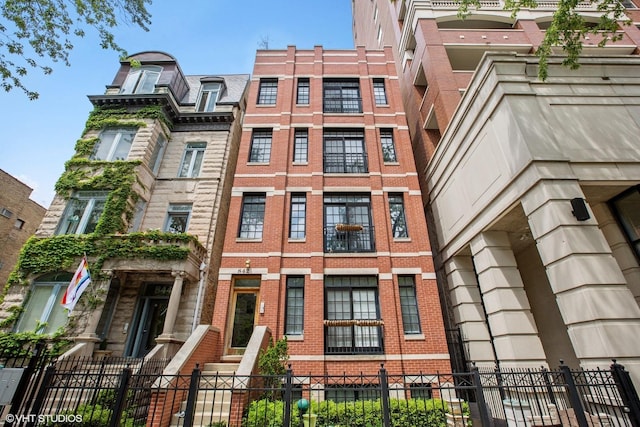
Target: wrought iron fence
138	395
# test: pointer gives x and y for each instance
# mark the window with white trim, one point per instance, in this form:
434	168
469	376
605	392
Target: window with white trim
43	312
82	213
114	144
192	160
141	79
379	92
177	218
209	94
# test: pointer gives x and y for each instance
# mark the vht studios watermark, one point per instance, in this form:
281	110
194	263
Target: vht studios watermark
43	419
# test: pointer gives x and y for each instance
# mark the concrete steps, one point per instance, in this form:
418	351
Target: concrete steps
213	402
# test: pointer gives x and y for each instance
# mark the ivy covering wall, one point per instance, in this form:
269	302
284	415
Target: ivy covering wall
110	238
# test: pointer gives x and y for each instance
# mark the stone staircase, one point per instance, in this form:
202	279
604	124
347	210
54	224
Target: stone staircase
213	401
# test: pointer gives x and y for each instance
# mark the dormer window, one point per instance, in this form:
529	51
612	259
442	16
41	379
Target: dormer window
141	79
209	94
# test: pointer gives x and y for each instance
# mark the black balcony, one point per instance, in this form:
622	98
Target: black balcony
353	336
349	238
342	104
345	163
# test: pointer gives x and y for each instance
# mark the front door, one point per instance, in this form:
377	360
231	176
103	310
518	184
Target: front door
149	320
243	314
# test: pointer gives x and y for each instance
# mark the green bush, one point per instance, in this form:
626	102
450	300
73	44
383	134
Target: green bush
362	413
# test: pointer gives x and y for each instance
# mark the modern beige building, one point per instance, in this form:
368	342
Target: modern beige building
145	197
532	188
19	218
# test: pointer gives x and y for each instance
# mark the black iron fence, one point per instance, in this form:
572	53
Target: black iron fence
77	394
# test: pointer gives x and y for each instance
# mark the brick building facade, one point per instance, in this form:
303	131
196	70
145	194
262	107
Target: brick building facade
326	242
19	218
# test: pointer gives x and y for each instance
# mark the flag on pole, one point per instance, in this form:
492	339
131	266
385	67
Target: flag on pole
78	284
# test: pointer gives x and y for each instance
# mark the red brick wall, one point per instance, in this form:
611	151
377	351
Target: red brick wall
274	255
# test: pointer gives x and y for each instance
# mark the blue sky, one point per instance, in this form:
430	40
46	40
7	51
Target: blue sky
205	36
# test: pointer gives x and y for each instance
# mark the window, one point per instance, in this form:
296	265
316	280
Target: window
141	79
347	222
6	213
138	214
352	318
342	96
208	97
409	305
379	94
42	312
19	224
344	152
114	144
82	212
252	217
302	96
301	146
268	91
388	146
351	392
192	160
297	222
158	153
398	219
295	306
627	209
177	218
260	146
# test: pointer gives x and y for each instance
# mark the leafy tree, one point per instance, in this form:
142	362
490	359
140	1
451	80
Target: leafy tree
37	32
568	27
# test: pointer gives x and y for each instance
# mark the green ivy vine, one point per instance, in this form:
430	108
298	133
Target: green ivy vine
103	117
110	238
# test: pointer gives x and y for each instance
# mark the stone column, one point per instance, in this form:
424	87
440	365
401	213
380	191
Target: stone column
509	316
467	307
598	309
174	304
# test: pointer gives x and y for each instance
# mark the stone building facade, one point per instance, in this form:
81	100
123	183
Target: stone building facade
531	188
145	198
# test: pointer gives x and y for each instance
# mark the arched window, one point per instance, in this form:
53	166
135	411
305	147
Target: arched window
43	312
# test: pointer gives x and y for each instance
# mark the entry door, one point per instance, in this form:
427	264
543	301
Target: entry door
151	325
243	311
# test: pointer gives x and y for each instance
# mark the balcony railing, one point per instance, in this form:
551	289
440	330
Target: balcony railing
339	104
345	163
353	336
349	238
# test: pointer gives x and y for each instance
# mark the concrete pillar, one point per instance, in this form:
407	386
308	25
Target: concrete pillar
174	304
598	309
511	323
467	307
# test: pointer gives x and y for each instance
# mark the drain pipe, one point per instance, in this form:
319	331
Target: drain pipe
198	310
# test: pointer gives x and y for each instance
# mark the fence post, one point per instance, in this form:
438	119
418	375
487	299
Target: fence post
482	404
21	390
42	392
194	385
287	397
384	395
627	392
574	397
121	397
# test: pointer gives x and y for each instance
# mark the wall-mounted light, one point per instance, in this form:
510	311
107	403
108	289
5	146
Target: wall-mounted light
247	264
580	210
